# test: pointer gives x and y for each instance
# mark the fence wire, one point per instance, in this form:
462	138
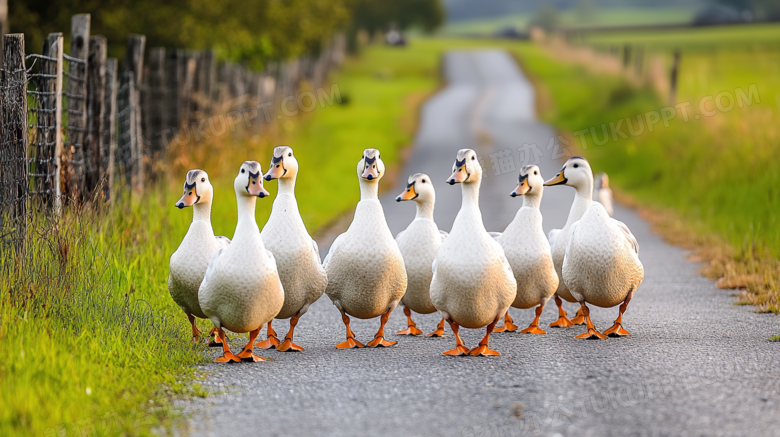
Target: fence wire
41	108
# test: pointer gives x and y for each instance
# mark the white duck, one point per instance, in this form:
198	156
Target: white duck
241	290
190	261
602	193
419	243
296	253
472	285
366	273
528	252
601	263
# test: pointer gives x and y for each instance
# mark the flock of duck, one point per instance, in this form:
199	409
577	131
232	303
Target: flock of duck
470	276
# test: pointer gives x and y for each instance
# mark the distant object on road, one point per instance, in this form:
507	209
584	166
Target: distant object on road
602	193
394	38
511	32
720	14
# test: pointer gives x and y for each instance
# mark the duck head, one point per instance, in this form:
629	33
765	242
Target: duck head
371	168
466	168
530	182
197	189
602	181
575	173
418	188
283	164
249	181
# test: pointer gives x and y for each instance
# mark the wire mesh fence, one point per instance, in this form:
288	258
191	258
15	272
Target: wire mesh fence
75	128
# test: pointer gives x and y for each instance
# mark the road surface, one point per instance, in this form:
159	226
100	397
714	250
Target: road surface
695	364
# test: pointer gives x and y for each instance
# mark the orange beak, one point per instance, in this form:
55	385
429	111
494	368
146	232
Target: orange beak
189	198
521	189
370	173
408	194
459	176
255	186
276	171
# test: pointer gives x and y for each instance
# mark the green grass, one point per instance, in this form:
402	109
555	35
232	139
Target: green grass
90	340
570	19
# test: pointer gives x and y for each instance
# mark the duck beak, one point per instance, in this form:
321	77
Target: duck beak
459	176
255	186
557	180
370	173
189	198
408	194
521	189
276	171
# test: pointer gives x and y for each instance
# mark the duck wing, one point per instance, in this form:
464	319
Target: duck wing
332	249
212	266
316	250
629	236
552	235
223	241
495	235
444	234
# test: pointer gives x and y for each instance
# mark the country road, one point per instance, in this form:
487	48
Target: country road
695	364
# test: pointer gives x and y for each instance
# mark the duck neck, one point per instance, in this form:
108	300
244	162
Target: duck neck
470	193
369	190
533	201
246	212
424	210
287	185
582	199
201	212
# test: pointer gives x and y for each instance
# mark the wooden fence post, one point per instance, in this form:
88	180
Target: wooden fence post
2	63
134	63
673	76
158	112
14	142
109	126
50	119
96	99
77	103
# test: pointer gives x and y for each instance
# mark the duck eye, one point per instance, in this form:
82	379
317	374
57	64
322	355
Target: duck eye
535	172
423	181
242	170
289	154
203	179
576	165
473	158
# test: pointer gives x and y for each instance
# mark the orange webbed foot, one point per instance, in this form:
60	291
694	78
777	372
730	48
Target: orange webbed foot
483	350
578	319
269	343
228	357
458	351
591	334
616	331
508	327
412	330
349	343
439	332
562	322
381	342
533	330
249	355
288	346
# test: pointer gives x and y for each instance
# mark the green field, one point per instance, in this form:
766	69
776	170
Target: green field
92	343
572	19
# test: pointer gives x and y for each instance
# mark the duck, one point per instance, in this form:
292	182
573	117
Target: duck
189	262
297	256
419	243
473	284
528	252
365	268
602	193
601	263
241	290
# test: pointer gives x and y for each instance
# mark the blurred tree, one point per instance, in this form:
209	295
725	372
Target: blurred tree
547	17
240	30
585	12
761	9
378	15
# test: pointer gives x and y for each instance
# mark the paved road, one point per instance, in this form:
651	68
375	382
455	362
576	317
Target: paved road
695	364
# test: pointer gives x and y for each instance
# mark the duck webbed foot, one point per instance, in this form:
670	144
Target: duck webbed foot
379	338
411	326
578	319
534	328
195	331
563	321
248	353
288	345
227	356
214	341
617	329
439	332
509	324
271	340
591	333
350	342
483	349
460	348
